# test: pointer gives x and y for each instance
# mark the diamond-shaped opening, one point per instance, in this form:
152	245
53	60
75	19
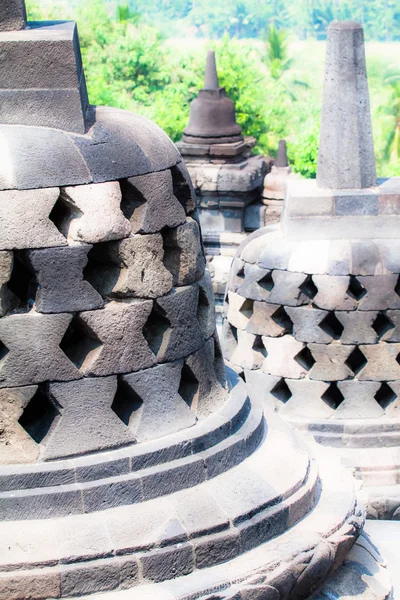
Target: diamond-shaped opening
266	282
385	396
240	272
156	330
356	361
247	308
219	365
39	415
172	252
397	288
309	288
356	290
182	190
203	308
333	397
258	346
63	213
81	344
281	317
23	283
305	359
281	391
132	200
382	324
3	350
189	387
126	402
332	326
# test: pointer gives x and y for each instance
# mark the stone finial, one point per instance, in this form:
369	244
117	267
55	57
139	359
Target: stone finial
281	156
212	114
211	76
346	151
12	15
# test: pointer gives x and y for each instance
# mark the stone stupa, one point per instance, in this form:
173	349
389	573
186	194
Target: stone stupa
314	302
131	464
227	178
275	183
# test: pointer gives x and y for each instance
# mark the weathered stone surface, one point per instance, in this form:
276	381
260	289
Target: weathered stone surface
393	333
86	423
131	267
183	253
92	214
60	278
150	204
16	445
284	357
183	187
161	409
113	340
257	283
330	362
269	320
308	325
243	349
12	15
34	353
306	400
381	362
24	219
346	161
6	296
333	293
358	327
206	306
287	289
379	292
240	310
183	336
359	400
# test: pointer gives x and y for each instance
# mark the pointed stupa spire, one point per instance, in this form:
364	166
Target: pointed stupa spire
281	156
211	76
212	117
346	151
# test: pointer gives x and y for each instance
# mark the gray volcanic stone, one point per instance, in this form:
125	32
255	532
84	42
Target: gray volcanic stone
162	409
333	293
86	423
150	204
380	292
286	290
257	282
269	320
359	400
358	327
306	400
118	331
6	296
16	445
183	187
346	161
330	362
307	324
24	219
133	267
184	256
206	306
94	213
12	15
34	353
381	362
282	357
60	278
184	335
393	334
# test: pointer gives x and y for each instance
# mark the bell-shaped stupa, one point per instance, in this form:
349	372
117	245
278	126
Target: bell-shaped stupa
314	302
131	463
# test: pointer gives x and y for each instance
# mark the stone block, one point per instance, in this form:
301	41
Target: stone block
24	219
358	327
333	293
59	273
78	579
346	109
7	298
206	306
310	324
330	362
164	563
381	363
216	548
111	340
34	354
365	258
306	400
241	348
240	310
269	320
392	334
150	204
16	445
199	514
92	213
130	267
286	357
12	15
158	405
110	493
257	283
287	289
183	187
87	422
183	253
359	400
27	583
360	204
163	480
380	292
183	335
236	275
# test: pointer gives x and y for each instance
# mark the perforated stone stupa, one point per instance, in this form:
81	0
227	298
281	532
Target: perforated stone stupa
131	463
314	303
227	179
